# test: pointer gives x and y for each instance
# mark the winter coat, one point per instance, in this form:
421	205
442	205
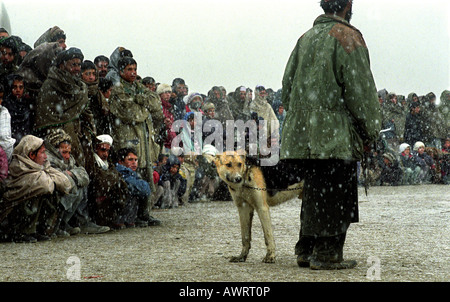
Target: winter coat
36	65
223	112
28	179
6	140
329	94
137	117
407	161
179	108
192	144
239	109
22	116
423	160
99	108
169	119
433	123
79	178
413	129
63	103
136	186
172	178
444	108
394	115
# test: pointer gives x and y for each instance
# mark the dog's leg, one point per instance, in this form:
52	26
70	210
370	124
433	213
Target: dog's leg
266	223
245	217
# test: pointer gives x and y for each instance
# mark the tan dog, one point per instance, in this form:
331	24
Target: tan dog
247	186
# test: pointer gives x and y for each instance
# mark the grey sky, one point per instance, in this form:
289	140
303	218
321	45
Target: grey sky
246	42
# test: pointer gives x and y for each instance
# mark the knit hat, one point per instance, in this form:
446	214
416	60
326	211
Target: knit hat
69	54
403	147
163	88
58	136
208	106
417	145
192	96
389	157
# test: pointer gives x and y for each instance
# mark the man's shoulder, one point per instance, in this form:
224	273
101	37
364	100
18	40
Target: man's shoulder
348	36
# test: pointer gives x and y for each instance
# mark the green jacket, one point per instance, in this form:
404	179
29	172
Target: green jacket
137	117
329	94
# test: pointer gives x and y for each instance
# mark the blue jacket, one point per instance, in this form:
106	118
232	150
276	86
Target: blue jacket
136	186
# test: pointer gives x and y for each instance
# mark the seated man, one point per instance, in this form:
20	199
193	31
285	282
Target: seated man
29	209
173	183
74	215
139	189
108	190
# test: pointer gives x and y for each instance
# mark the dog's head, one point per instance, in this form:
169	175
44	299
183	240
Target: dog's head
231	167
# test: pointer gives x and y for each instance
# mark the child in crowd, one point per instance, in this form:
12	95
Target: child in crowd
410	169
391	173
424	161
173	184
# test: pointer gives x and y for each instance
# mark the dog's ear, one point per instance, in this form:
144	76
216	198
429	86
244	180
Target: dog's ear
217	160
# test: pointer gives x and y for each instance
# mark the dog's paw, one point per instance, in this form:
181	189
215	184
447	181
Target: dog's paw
270	258
239	258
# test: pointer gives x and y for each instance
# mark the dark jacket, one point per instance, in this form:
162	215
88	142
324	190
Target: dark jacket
172	178
413	129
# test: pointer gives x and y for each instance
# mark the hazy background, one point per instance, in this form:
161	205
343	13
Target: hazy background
247	42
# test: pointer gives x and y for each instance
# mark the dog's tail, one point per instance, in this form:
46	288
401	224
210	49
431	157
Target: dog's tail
292	192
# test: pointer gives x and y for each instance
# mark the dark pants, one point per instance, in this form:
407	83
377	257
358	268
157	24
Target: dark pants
37	215
329	204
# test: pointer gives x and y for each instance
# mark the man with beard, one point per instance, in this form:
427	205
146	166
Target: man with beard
332	114
102	63
108	191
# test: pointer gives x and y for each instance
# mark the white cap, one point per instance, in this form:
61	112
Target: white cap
105	139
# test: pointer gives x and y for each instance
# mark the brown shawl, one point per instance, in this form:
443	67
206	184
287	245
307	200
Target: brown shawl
28	179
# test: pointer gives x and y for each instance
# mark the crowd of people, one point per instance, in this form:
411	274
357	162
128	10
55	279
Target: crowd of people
414	144
87	146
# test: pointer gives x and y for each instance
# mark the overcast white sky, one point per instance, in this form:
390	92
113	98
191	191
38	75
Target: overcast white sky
247	42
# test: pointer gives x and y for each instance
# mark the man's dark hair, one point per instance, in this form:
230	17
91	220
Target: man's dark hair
101	58
123	153
333	6
125	61
148	80
104	84
176	82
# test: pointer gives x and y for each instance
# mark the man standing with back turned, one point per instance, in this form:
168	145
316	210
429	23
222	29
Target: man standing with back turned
332	116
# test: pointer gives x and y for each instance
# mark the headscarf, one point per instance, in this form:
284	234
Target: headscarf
27	179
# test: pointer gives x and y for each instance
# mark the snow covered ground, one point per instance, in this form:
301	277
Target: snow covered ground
403	235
